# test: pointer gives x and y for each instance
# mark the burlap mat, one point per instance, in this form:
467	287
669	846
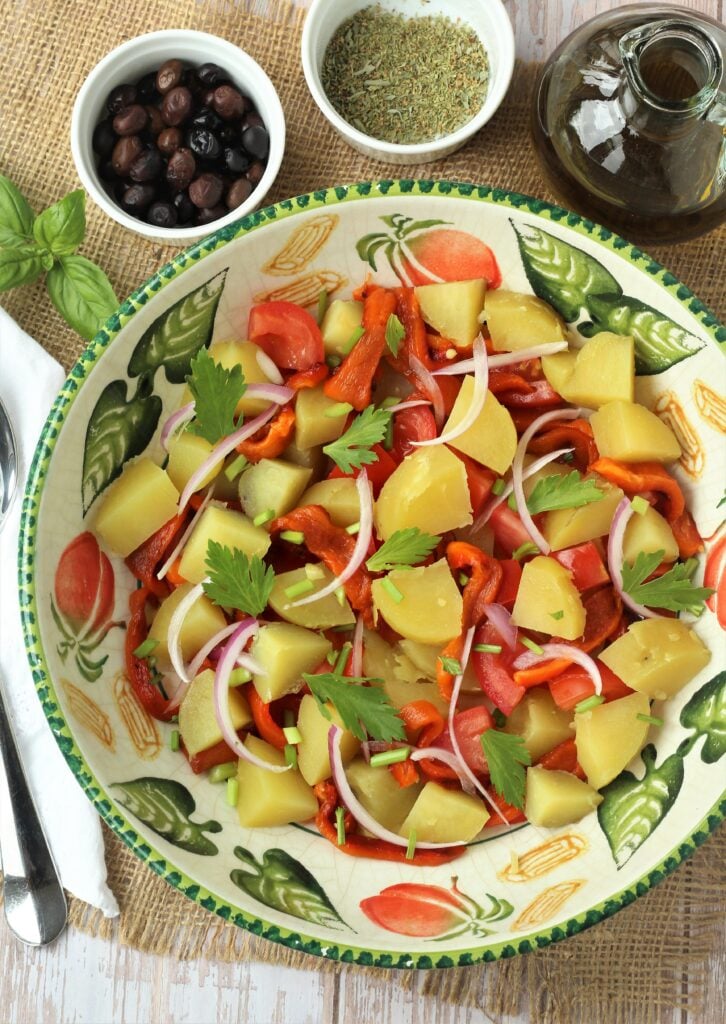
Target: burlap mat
650	957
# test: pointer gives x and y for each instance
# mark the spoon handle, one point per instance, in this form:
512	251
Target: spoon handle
35	904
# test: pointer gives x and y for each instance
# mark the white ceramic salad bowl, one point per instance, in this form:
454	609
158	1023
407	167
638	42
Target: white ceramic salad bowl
289	884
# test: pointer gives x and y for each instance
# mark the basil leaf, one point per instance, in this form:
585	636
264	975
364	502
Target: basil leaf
19	266
81	293
61	227
16	217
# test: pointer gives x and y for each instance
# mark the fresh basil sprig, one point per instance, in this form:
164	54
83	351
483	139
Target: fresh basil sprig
29	245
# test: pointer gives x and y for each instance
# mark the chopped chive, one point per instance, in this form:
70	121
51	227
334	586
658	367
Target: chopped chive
338	409
288	717
650	719
389	402
353	340
222	772
234	469
145	649
232	792
488	648
512	501
499	718
314	571
342	659
352	529
588	704
463	579
390	757
498	486
411	848
290	753
340	596
528	548
333	361
293	536
299	588
322	304
639	505
174	719
264	517
174	739
531	644
557	615
238	676
292	734
340	825
391	589
331	657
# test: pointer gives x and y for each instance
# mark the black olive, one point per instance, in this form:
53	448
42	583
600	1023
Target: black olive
256	141
236	160
204	143
162	215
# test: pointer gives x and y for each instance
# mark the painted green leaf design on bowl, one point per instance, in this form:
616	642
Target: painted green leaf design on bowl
166	807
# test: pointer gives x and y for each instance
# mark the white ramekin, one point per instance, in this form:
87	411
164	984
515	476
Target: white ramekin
489	20
135	58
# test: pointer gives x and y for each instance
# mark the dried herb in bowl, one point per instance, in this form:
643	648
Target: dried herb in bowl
403	79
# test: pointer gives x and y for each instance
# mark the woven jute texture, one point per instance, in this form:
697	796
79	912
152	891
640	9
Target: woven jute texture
631	968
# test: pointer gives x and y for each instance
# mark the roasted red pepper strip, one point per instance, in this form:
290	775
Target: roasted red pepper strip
352	383
272	440
575	434
562	758
636	477
140	676
414	342
308	378
512	814
220	753
539	396
366	846
334	546
146	559
265	724
405	773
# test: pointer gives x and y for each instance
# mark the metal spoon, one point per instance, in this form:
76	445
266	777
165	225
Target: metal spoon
35	904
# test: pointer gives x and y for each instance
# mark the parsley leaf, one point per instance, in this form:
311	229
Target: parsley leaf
216	392
673	590
571	491
403	547
395	333
235	581
352	449
451	665
362	709
506	757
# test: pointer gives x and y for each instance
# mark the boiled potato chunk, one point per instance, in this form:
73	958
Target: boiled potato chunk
322	614
424	657
380	794
518	321
312	425
609	736
539	721
267	798
565	527
201	622
657	657
285	651
492	437
444	816
186	454
431	605
135	506
649	532
602	371
243	353
428	490
339	498
227	527
631	433
312	458
341	318
272	484
554	798
453	308
546	589
197	719
312	752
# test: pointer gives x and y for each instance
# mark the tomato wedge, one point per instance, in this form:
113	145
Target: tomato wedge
288	334
586	565
495	672
574	685
508	529
409	425
378	471
468	726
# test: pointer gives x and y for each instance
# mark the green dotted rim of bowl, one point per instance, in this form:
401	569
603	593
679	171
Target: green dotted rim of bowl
26	575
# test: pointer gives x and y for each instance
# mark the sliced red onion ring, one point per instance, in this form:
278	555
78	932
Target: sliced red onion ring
356	654
361	545
269	367
500	618
615	558
452	731
221	451
407	405
518	468
481	382
251	664
502	359
232	651
271	392
448	758
177	420
428	384
180	691
203	653
179	546
174	633
527	472
564	651
361	815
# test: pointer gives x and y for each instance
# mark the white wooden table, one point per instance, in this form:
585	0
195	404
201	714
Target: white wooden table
82	980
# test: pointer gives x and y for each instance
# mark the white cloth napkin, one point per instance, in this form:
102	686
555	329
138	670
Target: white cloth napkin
29	380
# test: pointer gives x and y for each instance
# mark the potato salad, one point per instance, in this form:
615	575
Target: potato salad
409	570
